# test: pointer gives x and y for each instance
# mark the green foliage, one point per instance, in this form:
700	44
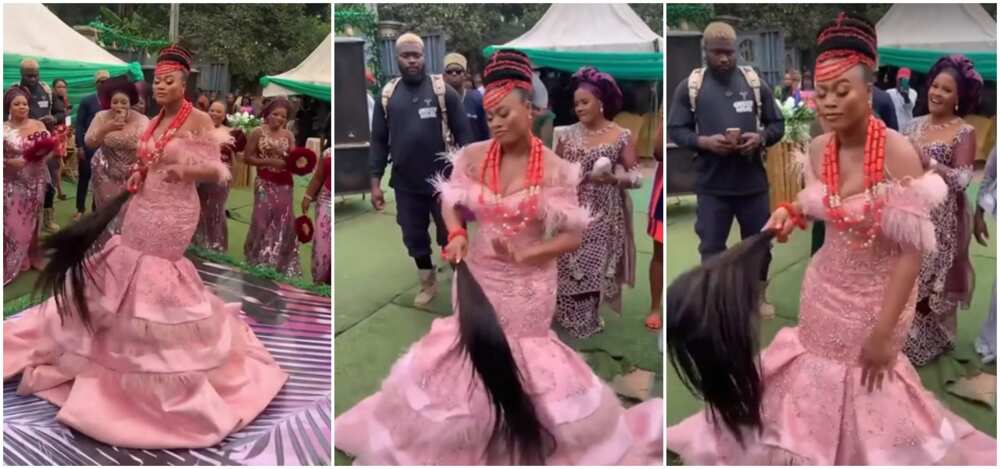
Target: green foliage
365	21
695	14
799	21
254	39
470	27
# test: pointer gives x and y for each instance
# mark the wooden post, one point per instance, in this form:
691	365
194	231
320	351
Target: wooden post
783	179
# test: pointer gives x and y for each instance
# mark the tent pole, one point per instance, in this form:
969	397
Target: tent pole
173	22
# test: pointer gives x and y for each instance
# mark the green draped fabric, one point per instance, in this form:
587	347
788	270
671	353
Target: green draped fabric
79	76
920	60
647	66
319	91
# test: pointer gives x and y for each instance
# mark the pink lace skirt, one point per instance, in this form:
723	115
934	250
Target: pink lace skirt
322	260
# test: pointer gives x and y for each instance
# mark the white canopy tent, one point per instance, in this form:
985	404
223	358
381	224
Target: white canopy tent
953	27
590	28
314	70
30	29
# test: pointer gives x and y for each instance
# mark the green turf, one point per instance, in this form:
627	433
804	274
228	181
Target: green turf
787	270
240	205
376	322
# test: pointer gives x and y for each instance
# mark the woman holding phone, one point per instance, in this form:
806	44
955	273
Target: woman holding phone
115	134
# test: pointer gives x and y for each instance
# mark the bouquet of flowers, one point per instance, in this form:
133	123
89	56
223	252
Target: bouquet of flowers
39	145
243	121
798	119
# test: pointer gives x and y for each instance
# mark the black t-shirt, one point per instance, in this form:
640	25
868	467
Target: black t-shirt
412	135
722	106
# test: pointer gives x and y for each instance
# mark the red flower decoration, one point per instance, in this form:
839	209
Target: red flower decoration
304	228
301	161
239	140
40	144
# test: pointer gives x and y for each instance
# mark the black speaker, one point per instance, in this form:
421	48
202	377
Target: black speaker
350	169
350	113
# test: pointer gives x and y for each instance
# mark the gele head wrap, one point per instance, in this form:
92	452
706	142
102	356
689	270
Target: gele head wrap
969	81
602	86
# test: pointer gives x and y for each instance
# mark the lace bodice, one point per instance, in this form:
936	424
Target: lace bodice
118	149
14	145
523	295
161	218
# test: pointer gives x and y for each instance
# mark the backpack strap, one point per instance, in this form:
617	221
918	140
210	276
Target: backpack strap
750	75
440	90
694	86
387	92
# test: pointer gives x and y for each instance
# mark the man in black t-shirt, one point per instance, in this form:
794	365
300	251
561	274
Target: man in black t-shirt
731	180
409	127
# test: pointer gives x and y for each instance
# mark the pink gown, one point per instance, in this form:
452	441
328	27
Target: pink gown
815	410
271	240
23	191
169	365
432	409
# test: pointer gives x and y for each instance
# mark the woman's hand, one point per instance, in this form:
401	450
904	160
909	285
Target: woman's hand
979	227
456	250
782	224
877	360
603	179
306	201
134	181
115	124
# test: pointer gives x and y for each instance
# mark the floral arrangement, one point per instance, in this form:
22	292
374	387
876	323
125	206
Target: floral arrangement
39	145
798	119
304	229
301	161
244	121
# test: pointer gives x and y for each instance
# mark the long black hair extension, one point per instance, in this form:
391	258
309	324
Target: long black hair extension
515	423
712	333
67	252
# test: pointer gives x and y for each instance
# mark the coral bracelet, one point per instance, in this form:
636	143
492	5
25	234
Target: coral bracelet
457	233
797	217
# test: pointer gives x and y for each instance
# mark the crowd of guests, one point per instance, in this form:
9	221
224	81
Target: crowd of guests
419	116
108	126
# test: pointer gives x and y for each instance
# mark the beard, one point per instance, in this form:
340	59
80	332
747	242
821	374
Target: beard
723	77
414	78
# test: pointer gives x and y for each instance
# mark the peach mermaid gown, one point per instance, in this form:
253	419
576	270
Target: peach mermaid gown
815	410
169	365
433	410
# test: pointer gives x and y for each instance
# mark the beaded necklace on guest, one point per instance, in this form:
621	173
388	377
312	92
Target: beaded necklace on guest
512	220
874	174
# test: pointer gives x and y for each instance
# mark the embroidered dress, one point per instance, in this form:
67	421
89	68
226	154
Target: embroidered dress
815	410
213	232
946	276
23	193
111	162
433	410
271	240
322	259
168	365
594	273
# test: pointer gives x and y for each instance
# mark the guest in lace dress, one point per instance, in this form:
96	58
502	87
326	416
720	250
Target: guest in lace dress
492	384
271	241
319	191
948	145
212	232
836	389
24	186
594	274
132	347
114	134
